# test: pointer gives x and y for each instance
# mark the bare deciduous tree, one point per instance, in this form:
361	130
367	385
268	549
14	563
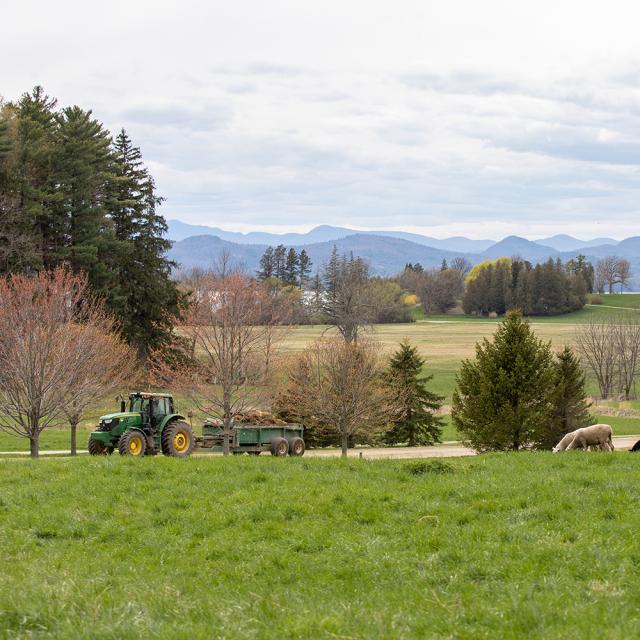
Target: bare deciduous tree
50	326
104	363
626	339
595	344
346	302
440	290
235	331
611	271
341	385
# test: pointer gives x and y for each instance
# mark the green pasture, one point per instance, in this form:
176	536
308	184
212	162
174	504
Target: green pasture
529	545
627	300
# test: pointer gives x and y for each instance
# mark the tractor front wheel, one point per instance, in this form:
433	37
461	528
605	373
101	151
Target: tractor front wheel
132	443
96	448
177	439
279	447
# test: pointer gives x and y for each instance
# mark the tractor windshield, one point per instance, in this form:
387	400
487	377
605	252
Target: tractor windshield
139	404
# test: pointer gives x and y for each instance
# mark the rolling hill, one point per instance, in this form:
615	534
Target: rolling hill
387	254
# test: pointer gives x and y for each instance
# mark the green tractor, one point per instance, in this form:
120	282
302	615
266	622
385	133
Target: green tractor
149	427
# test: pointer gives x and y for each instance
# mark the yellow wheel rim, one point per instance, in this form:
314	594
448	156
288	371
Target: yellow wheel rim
135	446
180	441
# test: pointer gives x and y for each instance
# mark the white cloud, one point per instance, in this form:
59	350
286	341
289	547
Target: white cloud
465	117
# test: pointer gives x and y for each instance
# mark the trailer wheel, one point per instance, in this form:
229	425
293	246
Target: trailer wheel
296	447
279	447
177	439
97	448
132	443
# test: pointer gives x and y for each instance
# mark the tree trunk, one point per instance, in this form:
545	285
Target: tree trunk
34	446
226	437
345	444
74	440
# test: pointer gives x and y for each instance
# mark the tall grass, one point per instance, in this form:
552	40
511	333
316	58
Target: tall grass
499	546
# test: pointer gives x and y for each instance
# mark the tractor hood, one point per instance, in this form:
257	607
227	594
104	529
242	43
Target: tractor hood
126	414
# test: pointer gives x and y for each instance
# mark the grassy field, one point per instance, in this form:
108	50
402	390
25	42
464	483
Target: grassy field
627	300
500	546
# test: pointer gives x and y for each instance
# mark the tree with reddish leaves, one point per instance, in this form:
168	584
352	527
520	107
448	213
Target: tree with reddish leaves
58	349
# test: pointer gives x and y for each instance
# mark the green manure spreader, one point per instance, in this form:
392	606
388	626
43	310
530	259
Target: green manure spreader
151	425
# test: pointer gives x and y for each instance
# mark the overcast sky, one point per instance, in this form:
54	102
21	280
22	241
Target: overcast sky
443	117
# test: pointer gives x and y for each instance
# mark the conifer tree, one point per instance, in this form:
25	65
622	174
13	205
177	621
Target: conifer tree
291	269
280	262
148	299
83	162
34	173
504	395
416	423
570	408
266	270
304	263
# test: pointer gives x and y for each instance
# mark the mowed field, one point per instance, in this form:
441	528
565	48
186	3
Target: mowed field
443	340
529	545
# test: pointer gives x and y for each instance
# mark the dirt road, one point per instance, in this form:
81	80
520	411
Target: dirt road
446	450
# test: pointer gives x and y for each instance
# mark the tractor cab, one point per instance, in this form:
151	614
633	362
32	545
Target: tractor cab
152	407
149	426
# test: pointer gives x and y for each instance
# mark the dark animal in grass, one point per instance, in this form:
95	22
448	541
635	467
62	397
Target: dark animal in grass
636	446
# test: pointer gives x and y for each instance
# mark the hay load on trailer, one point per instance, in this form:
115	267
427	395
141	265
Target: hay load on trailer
254	432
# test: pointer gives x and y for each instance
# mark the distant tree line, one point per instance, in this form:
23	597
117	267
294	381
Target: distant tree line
438	289
545	289
285	265
342	292
73	194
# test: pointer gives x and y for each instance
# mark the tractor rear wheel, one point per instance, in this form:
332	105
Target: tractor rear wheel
132	443
279	447
296	447
177	439
97	448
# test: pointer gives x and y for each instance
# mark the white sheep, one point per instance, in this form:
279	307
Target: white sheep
597	435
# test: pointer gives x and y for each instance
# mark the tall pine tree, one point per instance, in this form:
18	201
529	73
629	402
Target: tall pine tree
34	176
149	301
266	265
291	268
83	162
304	264
417	424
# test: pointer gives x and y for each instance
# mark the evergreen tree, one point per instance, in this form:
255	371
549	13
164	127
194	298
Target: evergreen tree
149	301
444	266
504	395
417	424
34	173
580	266
280	262
83	162
570	408
291	269
266	270
305	264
